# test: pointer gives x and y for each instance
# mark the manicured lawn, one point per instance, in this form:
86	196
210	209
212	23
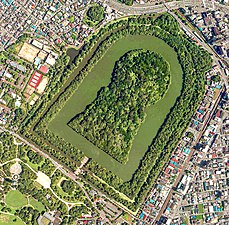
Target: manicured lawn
201	208
186	220
127	217
37	205
10	220
16	199
100	76
199	217
18	47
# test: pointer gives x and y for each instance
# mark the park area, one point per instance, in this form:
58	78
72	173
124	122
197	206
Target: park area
15	200
6	219
100	76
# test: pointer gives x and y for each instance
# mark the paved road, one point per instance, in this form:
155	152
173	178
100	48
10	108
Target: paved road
215	58
142	9
67	173
152	8
202	43
64	170
208	119
127	10
139	9
224	77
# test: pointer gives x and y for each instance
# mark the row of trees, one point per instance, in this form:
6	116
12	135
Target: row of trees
27	186
7	149
34	157
140	78
58	74
66	94
194	61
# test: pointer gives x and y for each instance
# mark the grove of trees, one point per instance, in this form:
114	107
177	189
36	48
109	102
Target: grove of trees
94	15
34	157
28	215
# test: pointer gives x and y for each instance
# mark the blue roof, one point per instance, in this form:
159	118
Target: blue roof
201	111
218	86
152	201
141	216
187	150
7	2
37	61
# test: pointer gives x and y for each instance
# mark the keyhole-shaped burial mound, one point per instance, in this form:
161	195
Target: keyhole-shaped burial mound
139	79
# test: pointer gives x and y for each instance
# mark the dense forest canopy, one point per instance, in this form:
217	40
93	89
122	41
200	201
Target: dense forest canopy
140	78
